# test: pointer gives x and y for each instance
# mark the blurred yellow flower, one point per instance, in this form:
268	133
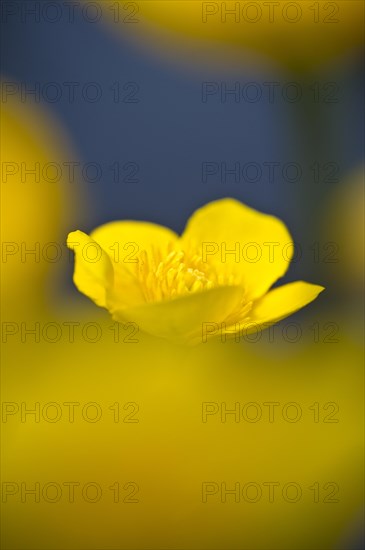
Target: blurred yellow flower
217	274
35	189
300	35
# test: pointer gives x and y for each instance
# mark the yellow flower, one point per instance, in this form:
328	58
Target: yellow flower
213	280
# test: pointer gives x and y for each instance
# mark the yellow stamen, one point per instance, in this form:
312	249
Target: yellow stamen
182	273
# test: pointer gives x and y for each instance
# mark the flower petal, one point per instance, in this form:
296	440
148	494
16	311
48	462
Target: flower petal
276	305
182	318
146	236
261	243
93	274
124	241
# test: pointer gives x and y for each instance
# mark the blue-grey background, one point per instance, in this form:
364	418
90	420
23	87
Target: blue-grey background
170	132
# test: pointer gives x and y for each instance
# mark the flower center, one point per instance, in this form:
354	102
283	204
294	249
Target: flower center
180	273
177	274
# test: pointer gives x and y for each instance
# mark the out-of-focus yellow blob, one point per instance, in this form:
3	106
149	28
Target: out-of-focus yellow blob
35	205
178	449
300	35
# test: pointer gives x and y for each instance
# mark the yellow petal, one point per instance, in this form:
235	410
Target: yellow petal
124	241
132	237
239	241
276	305
182	318
93	273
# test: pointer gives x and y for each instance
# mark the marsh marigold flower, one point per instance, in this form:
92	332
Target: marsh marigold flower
217	273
